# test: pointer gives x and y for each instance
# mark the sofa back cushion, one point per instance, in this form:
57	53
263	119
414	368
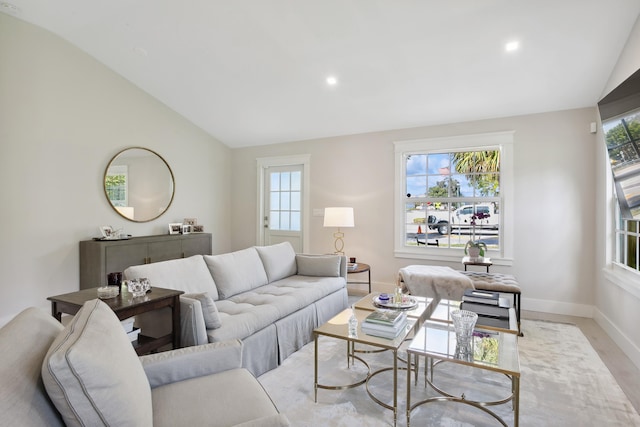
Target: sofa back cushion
236	272
318	265
279	260
93	375
186	274
24	342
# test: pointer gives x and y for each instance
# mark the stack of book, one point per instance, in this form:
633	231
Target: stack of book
132	332
484	303
385	323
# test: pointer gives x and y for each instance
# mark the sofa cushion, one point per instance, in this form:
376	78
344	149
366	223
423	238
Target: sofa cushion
186	274
209	309
24	342
249	312
236	272
93	375
318	265
279	260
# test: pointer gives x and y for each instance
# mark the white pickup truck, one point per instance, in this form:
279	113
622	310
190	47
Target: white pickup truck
461	218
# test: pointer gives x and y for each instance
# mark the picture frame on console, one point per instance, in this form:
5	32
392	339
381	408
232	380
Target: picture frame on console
106	231
175	228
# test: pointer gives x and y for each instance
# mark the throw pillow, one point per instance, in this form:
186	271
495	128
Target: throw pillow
92	373
318	265
209	309
279	260
236	272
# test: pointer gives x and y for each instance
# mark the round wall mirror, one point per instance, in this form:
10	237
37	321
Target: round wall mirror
139	184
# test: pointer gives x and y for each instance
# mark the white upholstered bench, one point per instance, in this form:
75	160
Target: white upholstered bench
444	282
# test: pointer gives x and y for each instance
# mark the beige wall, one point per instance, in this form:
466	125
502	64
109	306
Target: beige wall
617	298
554	201
63	116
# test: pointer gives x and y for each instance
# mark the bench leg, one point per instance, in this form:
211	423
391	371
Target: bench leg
516	301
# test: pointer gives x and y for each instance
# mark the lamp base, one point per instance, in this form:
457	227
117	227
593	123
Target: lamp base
338	244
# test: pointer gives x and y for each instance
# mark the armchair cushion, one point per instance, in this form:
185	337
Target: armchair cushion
279	260
191	362
88	388
224	399
209	310
318	265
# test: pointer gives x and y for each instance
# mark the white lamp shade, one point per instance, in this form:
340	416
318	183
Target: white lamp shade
338	217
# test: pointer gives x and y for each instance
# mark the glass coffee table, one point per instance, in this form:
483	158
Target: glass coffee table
492	350
337	327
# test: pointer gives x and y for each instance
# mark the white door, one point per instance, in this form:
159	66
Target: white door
283	204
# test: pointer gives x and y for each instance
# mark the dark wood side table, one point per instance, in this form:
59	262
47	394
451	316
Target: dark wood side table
485	262
126	305
360	267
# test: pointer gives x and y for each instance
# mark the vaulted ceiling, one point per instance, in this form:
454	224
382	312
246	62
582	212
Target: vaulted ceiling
252	72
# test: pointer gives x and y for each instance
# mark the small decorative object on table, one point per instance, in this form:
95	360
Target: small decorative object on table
353	324
106	292
138	287
463	322
476	249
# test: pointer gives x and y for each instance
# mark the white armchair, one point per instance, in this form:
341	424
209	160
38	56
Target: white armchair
92	376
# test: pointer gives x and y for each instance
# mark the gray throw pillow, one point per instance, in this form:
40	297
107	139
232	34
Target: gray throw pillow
209	309
318	265
279	260
92	374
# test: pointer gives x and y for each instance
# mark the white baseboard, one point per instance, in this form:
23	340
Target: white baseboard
628	347
557	307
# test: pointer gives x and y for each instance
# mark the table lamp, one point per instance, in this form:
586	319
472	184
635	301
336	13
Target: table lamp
338	217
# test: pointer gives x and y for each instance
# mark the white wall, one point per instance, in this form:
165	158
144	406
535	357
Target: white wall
63	116
554	201
618	298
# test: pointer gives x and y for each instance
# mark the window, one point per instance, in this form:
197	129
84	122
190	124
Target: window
285	206
116	185
452	190
622	137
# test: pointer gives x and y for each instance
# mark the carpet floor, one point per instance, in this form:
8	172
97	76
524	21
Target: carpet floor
563	383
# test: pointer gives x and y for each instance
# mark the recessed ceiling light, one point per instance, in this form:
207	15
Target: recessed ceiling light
332	81
512	46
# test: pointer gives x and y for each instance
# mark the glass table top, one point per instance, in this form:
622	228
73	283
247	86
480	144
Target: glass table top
492	350
338	327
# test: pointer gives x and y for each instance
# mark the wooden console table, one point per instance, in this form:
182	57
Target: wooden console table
126	305
101	257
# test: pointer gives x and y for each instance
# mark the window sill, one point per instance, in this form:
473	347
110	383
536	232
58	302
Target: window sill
452	256
623	277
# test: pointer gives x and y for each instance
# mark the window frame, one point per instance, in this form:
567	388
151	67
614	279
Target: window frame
502	141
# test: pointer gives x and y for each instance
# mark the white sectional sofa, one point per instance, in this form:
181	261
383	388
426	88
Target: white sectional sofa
268	297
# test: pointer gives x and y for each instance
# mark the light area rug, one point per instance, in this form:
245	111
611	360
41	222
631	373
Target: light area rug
563	383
